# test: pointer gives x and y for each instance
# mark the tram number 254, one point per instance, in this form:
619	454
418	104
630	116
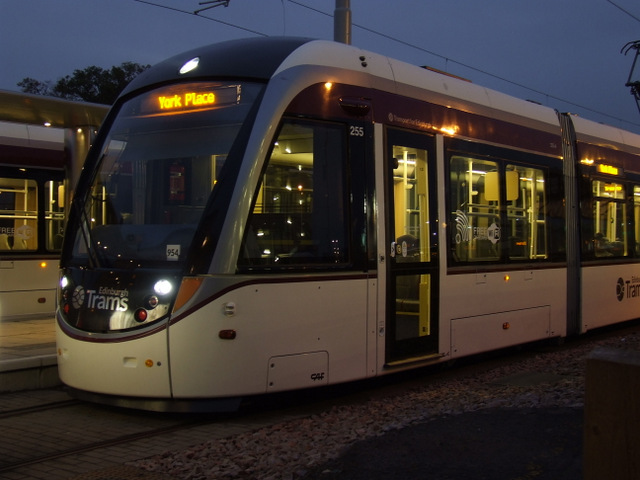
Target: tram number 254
317	376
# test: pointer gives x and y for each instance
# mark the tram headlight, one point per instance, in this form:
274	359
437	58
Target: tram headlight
163	287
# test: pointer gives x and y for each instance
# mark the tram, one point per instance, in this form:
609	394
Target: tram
266	215
41	145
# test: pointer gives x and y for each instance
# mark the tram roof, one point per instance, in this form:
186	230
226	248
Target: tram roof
38	110
248	58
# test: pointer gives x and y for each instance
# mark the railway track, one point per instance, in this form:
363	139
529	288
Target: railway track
38	439
112	442
65	437
36	408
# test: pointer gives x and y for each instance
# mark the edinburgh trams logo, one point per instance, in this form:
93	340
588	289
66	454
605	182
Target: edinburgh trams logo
105	298
465	232
77	297
628	288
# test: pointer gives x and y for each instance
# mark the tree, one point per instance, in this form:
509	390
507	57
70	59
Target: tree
93	84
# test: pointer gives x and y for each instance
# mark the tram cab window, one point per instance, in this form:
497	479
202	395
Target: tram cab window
299	217
609	212
18	215
499	211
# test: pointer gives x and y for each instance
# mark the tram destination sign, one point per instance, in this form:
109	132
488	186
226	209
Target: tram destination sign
191	97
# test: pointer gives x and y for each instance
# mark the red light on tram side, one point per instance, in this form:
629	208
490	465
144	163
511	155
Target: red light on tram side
227	334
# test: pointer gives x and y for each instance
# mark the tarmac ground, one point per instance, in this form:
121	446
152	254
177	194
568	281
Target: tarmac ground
491	444
28	354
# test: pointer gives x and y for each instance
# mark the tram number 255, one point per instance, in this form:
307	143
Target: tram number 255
356	131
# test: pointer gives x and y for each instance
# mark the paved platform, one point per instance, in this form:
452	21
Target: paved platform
28	354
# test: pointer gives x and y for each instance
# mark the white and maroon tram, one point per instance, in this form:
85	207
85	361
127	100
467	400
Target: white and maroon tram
274	214
43	142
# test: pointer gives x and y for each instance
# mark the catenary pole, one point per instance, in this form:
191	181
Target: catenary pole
342	22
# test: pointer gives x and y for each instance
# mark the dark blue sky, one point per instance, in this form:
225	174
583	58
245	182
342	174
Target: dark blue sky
565	52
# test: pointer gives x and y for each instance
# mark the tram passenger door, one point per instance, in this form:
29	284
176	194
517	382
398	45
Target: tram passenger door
412	328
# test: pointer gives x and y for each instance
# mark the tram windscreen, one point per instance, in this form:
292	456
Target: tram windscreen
156	170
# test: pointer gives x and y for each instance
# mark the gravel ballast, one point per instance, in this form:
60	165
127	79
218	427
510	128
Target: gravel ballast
536	400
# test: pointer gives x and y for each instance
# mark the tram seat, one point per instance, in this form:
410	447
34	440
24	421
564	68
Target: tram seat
4	242
19	244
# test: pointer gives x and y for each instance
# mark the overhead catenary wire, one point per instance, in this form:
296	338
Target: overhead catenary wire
195	13
446	59
625	11
472	68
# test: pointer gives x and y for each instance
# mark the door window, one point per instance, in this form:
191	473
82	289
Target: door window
411	327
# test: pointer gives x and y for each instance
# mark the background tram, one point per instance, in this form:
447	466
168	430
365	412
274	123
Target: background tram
273	214
43	142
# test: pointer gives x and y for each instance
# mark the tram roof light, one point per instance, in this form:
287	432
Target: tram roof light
189	65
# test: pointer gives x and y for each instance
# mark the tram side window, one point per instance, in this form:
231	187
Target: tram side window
300	215
475	202
18	215
526	212
609	212
485	230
